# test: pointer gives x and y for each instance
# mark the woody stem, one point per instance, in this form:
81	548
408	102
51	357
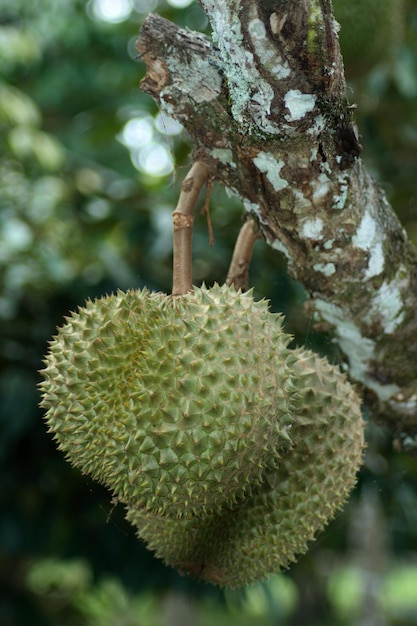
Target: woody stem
238	275
183	227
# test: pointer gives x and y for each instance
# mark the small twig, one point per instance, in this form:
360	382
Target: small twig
183	227
206	211
238	276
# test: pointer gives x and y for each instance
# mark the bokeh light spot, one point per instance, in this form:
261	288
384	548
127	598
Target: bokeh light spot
113	11
179	4
154	159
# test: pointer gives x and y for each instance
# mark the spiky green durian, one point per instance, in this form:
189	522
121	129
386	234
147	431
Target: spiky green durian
178	405
271	528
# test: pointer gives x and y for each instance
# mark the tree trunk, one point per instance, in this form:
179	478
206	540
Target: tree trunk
266	106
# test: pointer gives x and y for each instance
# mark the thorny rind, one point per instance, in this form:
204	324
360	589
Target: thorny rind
266	107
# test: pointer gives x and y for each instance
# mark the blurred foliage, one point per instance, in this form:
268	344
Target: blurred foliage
69	596
67	591
89	175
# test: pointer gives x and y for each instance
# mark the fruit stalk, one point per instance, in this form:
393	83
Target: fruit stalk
238	275
183	228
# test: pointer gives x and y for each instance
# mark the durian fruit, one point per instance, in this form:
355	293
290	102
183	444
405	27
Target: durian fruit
178	405
271	528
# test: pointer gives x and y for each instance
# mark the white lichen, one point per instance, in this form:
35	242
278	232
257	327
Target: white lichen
251	95
232	192
200	80
302	204
369	237
298	104
266	51
224	155
252	207
313	153
257	30
317	126
339	199
312	228
359	350
227	34
321	188
328	269
365	233
276	22
268	165
376	261
387	303
278	245
325	167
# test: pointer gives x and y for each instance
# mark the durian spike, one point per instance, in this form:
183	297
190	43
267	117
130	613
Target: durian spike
238	276
183	227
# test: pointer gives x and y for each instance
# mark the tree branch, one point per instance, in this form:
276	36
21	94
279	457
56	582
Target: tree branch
266	107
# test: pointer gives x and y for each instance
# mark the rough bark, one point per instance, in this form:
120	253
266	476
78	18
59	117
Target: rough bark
265	103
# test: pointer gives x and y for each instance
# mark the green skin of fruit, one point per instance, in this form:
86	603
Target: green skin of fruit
178	405
274	526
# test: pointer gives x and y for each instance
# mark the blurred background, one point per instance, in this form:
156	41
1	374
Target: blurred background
89	174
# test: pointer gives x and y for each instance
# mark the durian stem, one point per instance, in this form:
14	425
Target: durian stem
206	211
196	178
238	276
